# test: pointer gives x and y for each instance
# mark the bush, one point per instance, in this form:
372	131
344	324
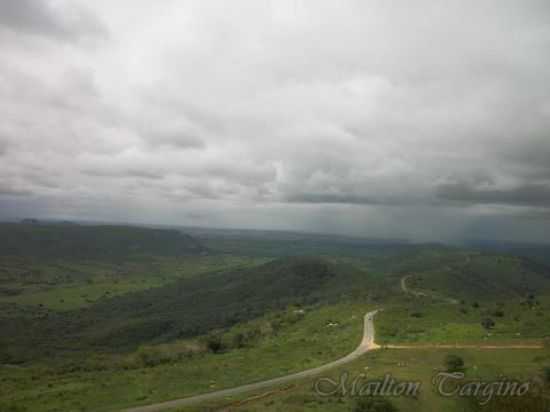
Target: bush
498	313
368	404
454	363
214	344
488	323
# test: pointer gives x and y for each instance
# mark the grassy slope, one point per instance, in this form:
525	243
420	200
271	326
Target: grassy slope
183	308
67	284
287	344
415	365
511	291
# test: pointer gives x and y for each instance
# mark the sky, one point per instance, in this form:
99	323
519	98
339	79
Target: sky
424	120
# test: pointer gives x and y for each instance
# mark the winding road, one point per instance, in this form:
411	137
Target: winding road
367	344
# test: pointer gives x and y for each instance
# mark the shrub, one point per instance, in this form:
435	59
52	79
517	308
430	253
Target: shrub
454	363
488	323
498	313
214	344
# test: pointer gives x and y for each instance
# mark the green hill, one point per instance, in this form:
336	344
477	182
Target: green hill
187	307
483	276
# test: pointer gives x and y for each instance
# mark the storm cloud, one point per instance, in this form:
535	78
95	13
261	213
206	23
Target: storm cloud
538	195
425	120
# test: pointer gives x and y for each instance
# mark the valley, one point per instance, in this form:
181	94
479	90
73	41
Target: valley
181	332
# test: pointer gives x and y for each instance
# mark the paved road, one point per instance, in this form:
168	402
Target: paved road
367	343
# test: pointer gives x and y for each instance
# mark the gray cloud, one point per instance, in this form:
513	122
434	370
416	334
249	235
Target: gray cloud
125	173
8	190
531	195
330	198
3	148
178	139
280	114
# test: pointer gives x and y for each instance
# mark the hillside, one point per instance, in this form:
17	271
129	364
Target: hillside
92	242
483	276
187	307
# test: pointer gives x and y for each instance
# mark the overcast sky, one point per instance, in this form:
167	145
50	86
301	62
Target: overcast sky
428	120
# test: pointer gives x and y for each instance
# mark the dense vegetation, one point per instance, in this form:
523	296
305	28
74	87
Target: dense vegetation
100	318
34	240
184	308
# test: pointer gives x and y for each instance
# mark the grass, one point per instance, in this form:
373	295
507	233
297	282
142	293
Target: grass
288	344
424	320
403	365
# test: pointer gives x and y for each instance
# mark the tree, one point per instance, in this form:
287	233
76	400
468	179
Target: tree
488	323
454	363
368	404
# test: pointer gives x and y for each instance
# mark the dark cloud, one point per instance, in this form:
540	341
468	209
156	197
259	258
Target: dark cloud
42	17
9	190
529	157
529	195
124	173
328	198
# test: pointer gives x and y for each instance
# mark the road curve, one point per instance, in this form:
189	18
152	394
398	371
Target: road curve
367	344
